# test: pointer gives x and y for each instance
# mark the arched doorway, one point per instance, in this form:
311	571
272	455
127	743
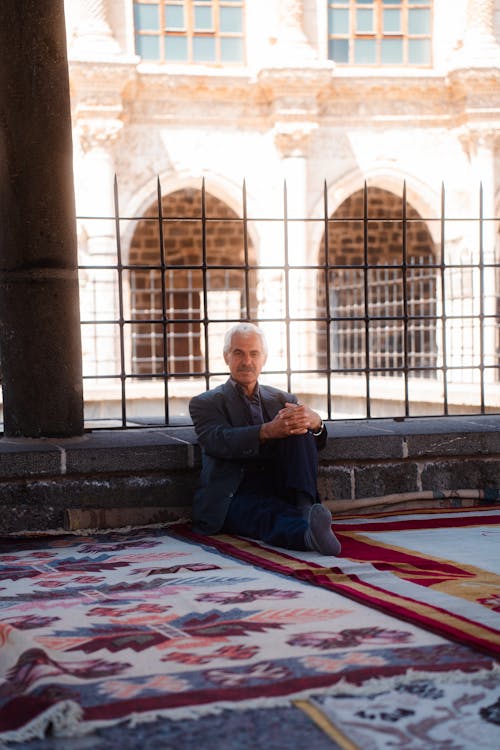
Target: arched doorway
388	291
202	276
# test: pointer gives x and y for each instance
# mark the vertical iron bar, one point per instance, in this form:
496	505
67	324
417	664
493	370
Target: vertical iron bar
95	328
329	323
204	274
442	267
482	368
150	337
405	301
287	289
120	301
366	305
163	303
245	253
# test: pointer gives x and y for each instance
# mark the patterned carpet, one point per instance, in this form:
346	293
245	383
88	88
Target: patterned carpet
428	713
143	637
440	570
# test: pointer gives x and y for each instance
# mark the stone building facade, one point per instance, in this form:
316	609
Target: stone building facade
292	122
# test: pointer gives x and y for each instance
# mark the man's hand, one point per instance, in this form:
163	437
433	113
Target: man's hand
293	419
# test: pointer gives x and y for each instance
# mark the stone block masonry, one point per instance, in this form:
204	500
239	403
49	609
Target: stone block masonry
146	471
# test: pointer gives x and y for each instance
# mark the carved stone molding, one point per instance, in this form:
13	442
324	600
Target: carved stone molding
292	138
478	84
98	91
98	132
450	100
475	136
310	78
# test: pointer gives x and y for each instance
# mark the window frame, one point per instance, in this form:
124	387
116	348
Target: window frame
190	33
378	35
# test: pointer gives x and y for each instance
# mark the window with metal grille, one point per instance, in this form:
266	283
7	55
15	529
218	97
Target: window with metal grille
156	346
398	314
191	31
166	337
398	338
380	32
190	265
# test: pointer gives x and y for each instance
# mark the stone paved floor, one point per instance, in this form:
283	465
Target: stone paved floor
284	728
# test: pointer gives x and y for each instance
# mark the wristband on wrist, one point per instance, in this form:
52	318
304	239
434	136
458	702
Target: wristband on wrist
318	432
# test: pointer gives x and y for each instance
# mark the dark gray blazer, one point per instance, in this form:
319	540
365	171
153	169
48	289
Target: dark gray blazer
228	444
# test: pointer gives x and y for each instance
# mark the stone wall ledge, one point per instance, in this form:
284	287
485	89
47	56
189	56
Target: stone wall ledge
158	466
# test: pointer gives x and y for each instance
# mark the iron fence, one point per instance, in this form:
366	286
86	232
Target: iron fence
385	315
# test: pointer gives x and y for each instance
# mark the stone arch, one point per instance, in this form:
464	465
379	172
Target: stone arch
425	200
144	195
394	282
204	248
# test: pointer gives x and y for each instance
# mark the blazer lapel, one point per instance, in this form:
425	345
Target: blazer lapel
270	404
235	408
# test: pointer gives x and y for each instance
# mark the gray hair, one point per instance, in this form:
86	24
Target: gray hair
244	329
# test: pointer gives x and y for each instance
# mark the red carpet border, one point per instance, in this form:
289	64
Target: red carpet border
457	600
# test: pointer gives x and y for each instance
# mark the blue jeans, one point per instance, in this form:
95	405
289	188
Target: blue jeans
268	518
264	505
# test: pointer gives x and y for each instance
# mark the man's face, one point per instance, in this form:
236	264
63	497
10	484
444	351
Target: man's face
245	360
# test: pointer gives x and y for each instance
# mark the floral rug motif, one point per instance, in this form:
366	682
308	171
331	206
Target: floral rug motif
440	570
432	712
138	625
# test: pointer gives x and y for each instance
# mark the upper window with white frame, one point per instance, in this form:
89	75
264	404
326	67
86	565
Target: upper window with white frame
190	31
380	32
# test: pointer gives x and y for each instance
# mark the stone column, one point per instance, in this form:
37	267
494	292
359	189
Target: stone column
291	139
479	48
97	176
39	299
99	284
475	79
484	148
480	21
92	36
293	80
292	43
478	141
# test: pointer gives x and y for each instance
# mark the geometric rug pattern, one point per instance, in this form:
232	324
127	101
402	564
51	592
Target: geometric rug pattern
440	570
142	624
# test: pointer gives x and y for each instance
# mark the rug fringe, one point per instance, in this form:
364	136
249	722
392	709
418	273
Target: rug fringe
64	720
190	713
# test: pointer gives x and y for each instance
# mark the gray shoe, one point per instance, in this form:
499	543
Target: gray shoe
319	536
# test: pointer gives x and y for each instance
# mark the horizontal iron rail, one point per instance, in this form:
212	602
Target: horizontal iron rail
369	314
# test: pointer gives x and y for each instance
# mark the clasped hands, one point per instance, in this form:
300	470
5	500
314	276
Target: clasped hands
293	419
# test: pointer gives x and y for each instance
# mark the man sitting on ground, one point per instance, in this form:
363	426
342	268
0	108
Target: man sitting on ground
259	456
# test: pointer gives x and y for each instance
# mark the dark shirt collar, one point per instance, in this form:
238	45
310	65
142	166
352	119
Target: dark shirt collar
253	405
255	396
